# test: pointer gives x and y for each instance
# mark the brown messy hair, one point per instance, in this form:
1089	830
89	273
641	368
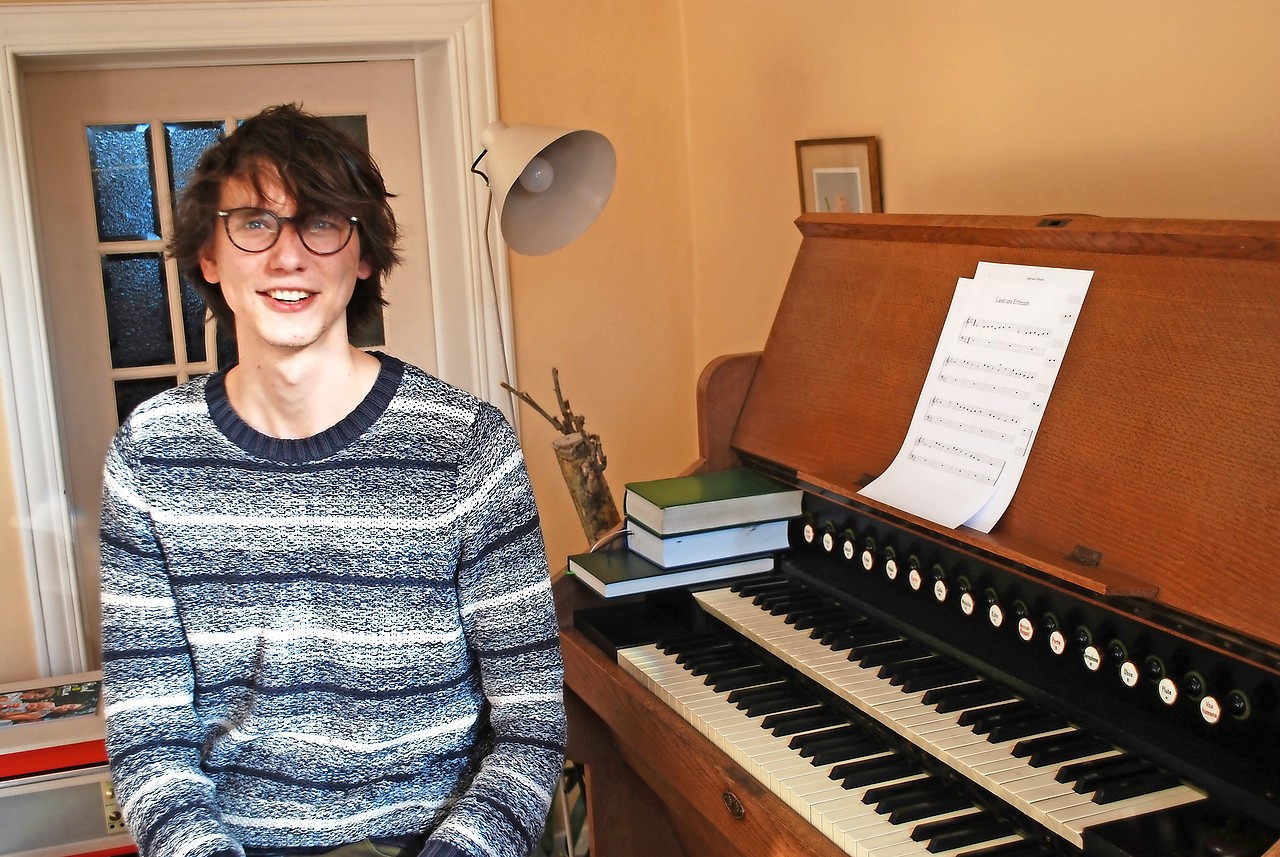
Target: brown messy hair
321	168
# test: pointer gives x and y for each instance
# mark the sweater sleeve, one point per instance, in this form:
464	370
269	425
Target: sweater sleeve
509	618
153	735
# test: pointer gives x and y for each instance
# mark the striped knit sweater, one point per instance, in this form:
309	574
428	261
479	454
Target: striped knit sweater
311	642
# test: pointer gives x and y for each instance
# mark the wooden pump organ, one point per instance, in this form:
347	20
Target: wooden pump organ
1098	675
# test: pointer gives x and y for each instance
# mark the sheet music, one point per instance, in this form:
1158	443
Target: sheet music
982	401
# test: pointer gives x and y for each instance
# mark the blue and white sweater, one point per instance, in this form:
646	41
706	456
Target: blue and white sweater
310	642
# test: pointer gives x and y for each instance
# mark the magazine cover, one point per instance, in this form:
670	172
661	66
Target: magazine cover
40	703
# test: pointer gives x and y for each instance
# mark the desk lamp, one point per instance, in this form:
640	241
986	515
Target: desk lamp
548	184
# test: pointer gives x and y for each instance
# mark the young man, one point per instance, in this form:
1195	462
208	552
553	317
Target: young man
327	621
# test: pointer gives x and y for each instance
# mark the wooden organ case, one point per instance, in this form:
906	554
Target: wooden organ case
1145	531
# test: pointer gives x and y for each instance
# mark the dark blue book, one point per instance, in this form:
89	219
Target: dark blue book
622	572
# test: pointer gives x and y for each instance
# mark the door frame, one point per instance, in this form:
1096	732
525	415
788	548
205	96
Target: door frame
451	45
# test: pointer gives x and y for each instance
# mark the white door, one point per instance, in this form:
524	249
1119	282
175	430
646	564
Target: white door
108	148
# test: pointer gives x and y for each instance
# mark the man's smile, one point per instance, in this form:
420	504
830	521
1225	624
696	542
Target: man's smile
289	296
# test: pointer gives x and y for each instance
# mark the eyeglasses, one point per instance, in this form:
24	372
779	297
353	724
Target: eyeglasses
255	230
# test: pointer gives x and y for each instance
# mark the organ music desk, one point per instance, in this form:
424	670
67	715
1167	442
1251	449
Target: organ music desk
1145	532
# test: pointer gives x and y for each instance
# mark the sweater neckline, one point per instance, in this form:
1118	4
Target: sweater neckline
301	450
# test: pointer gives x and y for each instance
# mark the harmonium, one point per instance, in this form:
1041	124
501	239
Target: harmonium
1096	672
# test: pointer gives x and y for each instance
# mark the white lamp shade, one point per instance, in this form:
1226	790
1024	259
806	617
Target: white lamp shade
577	170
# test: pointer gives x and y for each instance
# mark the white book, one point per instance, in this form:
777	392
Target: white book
708	545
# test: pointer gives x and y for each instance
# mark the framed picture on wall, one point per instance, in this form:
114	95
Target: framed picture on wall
839	174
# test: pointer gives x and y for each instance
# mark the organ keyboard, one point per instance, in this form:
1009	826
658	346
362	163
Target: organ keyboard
1100	675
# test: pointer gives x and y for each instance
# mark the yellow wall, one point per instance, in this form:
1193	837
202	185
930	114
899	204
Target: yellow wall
613	311
18	654
1159	108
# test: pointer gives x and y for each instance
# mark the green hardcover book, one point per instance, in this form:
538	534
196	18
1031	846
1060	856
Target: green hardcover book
618	572
708	501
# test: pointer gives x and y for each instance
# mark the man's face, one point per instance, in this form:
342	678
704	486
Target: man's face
285	297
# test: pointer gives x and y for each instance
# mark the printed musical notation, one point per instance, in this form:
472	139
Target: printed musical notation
979	411
957	460
935	414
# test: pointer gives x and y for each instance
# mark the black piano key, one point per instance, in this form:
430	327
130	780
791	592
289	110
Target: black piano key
1095	780
842	744
731	680
915	681
807	620
849	752
704	650
960	697
915	658
858	639
805	720
700	661
781	602
751	586
1056	749
673	645
1022	848
694	648
930	807
1134	786
808	744
745	696
774	704
879	769
984	719
952	833
828	633
708	641
846	619
1121	762
716	665
706	664
767	598
897	650
874	643
931	681
1023	727
896	670
754	692
907	792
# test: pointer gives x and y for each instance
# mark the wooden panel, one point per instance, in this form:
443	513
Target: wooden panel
637	751
722	386
1158	445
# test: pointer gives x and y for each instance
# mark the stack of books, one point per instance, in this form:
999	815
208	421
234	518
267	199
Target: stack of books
687	530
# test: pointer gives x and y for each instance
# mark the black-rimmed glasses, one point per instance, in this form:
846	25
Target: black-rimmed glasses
255	230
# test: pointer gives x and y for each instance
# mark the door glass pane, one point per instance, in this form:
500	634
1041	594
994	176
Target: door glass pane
184	143
123	182
137	310
130	394
355	126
